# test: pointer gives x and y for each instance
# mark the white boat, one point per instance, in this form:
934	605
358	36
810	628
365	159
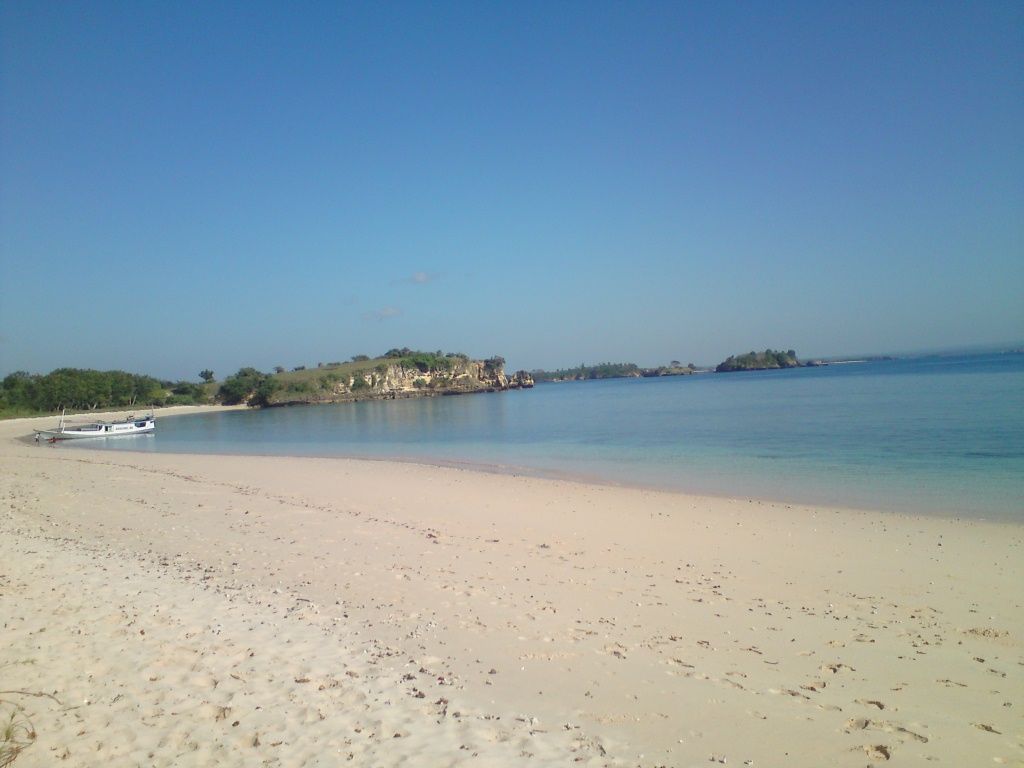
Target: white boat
133	425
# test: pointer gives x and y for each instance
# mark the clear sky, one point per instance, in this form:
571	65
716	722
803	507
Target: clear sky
191	185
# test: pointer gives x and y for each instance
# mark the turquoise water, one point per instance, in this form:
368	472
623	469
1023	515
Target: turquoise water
942	435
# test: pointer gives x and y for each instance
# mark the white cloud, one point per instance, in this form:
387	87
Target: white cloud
384	314
419	278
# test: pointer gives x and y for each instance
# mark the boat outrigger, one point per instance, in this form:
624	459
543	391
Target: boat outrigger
133	425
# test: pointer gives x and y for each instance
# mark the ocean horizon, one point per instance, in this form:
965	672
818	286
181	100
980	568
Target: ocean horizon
937	435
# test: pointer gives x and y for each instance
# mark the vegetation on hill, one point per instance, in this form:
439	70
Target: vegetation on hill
612	371
75	389
397	373
587	372
759	361
248	386
672	369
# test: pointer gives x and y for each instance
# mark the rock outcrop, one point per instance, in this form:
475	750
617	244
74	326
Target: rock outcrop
400	379
759	361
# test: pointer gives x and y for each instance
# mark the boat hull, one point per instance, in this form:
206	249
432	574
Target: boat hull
98	429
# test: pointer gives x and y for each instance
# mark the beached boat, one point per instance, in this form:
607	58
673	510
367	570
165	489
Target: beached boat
133	425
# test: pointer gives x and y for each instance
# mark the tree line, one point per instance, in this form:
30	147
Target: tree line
77	389
587	372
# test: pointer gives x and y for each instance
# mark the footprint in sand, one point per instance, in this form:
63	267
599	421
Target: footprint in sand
789	692
871	703
863	723
877	751
984	727
815	686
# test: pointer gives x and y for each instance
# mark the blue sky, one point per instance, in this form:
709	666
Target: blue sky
191	185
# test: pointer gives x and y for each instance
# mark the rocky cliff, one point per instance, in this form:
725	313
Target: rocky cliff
402	379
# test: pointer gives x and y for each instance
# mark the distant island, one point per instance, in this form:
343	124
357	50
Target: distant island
612	371
759	361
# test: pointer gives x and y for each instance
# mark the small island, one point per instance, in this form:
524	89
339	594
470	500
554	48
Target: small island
759	361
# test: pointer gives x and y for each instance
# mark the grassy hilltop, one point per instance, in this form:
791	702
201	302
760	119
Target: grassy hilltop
399	373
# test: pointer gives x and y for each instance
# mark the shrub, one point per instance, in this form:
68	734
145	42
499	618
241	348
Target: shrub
16	732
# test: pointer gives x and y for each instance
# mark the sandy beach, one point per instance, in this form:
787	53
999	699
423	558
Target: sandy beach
177	610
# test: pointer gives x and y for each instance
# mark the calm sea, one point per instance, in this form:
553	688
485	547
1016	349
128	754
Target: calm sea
942	435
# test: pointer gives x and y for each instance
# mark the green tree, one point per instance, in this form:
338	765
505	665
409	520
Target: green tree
79	389
18	392
249	386
240	387
265	392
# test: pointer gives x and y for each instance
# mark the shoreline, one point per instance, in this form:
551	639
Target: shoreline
805	497
544	622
